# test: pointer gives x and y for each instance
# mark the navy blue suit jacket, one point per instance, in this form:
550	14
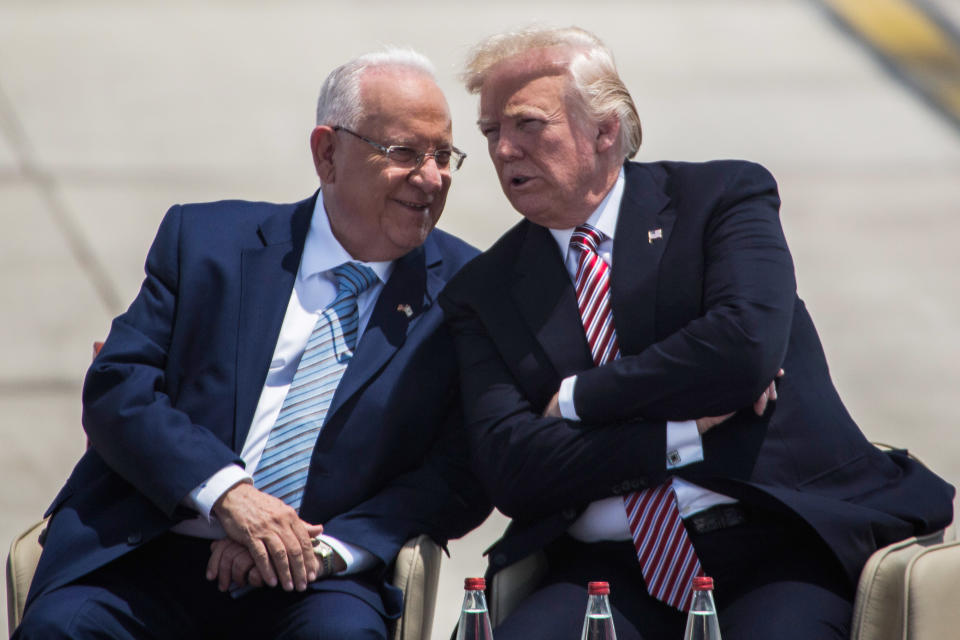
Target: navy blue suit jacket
705	315
170	398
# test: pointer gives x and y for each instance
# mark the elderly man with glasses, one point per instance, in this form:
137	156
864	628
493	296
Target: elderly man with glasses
277	411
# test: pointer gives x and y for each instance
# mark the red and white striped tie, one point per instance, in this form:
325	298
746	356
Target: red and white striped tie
667	559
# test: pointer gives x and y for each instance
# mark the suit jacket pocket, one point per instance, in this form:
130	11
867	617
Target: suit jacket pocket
860	475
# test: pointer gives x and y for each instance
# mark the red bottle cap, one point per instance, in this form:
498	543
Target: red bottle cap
702	583
475	584
598	588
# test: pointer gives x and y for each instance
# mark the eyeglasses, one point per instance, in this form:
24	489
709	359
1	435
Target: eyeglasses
411	158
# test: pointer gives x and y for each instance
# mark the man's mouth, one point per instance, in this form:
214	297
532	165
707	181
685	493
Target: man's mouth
419	206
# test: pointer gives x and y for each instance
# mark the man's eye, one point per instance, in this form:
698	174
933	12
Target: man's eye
488	132
402	154
529	124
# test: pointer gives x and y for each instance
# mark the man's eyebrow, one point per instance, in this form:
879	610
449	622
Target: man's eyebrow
524	111
515	112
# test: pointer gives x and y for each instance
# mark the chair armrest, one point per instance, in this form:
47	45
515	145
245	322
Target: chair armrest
417	572
512	584
21	564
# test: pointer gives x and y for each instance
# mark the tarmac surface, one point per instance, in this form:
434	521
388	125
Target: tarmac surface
111	111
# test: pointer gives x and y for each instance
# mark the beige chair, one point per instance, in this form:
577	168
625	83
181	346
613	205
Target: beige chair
416	573
907	591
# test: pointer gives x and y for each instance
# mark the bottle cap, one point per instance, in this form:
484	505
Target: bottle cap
475	584
702	583
598	588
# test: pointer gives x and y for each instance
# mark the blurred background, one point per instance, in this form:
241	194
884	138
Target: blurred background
111	111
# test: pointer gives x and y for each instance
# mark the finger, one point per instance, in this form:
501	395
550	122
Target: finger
225	571
761	404
262	559
278	558
216	550
313	569
254	578
312	563
299	554
242	564
772	391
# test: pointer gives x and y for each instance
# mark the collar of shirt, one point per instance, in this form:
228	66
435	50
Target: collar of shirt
604	218
322	252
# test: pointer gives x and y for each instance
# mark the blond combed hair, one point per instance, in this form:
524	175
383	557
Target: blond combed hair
593	74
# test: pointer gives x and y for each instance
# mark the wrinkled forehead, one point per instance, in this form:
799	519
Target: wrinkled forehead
394	90
518	70
400	97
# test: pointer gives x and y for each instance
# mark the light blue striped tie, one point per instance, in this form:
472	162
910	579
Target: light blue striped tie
282	471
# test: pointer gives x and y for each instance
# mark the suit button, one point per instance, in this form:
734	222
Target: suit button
499	560
134	538
634	484
615	490
569	514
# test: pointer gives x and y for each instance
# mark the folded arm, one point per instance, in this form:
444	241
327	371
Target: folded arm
722	360
533	465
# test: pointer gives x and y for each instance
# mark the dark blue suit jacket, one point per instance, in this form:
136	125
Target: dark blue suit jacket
705	316
171	396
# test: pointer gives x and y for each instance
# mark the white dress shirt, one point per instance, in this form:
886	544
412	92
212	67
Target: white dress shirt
314	288
606	519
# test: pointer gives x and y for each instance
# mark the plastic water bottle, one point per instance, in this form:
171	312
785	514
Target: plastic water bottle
598	623
474	619
702	623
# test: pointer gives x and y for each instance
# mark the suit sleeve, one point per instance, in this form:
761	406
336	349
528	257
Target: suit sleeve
722	360
127	413
533	466
441	498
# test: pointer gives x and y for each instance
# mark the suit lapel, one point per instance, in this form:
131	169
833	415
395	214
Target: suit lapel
547	301
266	280
643	230
411	290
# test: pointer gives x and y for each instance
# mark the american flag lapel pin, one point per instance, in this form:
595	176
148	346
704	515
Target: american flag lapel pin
405	310
654	234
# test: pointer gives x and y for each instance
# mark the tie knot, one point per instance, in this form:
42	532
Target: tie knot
586	237
354	278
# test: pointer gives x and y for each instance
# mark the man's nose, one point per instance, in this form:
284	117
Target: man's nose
428	175
506	148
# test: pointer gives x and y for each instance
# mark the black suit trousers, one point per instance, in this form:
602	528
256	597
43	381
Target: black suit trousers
773	578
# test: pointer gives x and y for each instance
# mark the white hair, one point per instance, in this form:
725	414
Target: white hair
593	73
340	104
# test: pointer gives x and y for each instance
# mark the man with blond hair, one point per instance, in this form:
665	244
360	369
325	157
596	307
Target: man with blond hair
593	337
283	372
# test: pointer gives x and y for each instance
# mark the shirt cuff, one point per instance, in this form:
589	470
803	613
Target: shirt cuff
356	558
206	495
565	399
683	444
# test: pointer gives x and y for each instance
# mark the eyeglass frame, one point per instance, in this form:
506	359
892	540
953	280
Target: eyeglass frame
421	156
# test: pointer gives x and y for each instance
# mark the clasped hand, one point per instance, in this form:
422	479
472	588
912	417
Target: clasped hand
267	543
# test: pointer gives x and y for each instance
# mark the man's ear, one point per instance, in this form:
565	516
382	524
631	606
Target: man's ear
323	142
608	130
